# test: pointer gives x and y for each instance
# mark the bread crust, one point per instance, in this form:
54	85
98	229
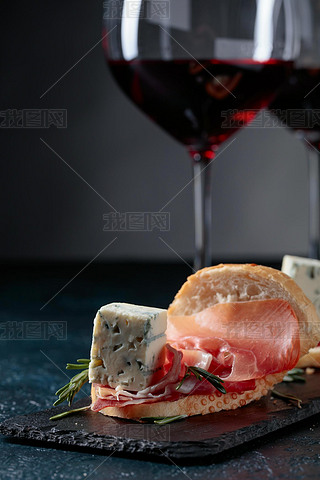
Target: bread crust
220	284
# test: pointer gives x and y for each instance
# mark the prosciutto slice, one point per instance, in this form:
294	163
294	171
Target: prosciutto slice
247	340
169	394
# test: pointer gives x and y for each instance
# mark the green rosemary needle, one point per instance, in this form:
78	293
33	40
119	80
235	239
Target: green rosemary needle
163	420
69	412
68	391
294	375
201	374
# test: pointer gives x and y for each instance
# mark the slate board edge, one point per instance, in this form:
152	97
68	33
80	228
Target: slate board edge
182	452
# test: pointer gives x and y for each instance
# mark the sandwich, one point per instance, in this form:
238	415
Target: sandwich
231	333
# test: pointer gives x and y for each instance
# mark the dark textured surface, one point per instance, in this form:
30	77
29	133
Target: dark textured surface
191	441
32	369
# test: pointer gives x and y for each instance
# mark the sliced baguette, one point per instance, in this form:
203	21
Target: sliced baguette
220	284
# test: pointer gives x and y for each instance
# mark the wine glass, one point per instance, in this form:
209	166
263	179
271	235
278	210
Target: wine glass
194	65
298	107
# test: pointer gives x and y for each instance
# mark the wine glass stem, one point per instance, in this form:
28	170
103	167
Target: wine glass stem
202	208
314	203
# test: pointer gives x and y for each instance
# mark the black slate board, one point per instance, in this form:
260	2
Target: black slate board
194	440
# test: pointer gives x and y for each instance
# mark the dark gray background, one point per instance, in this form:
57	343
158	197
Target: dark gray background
260	197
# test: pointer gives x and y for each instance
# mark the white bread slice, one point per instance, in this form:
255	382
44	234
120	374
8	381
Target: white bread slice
220	284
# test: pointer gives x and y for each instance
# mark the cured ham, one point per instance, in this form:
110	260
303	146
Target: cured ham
197	358
192	386
247	340
123	401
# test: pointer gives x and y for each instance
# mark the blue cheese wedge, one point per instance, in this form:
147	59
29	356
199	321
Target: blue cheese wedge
130	341
306	273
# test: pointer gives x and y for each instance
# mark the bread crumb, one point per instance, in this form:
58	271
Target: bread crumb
310	371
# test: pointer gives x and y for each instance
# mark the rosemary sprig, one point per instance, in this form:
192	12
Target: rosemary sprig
68	391
287	398
187	375
163	420
202	374
69	412
294	375
82	363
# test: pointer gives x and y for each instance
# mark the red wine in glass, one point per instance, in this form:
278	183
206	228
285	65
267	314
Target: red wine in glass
298	103
298	107
200	103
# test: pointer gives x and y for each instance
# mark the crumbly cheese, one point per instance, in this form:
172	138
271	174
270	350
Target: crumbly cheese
306	273
130	341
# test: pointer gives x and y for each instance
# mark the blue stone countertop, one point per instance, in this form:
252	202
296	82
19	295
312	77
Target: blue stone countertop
33	357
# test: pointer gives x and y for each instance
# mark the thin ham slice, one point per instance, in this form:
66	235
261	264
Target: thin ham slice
247	340
112	401
175	358
192	386
197	358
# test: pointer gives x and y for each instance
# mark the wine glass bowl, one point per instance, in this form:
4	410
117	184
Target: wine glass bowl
200	70
197	102
297	105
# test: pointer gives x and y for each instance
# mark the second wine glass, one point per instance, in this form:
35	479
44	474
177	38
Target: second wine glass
298	107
